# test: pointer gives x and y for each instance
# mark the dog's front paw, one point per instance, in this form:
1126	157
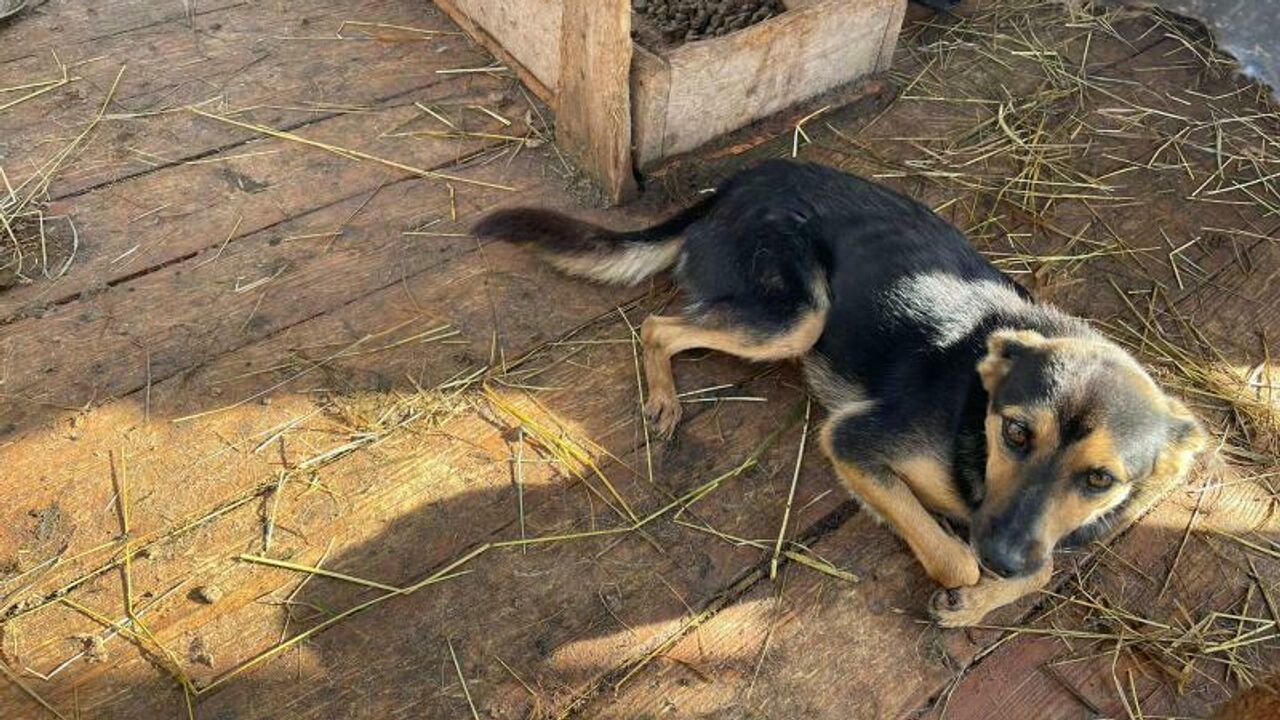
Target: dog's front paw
960	607
663	412
956	607
953	565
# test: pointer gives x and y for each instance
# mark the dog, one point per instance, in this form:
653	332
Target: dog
953	398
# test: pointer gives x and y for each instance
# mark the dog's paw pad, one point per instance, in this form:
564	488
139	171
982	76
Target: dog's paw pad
946	601
954	608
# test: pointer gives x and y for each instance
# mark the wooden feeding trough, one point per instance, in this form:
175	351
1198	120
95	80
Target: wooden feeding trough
620	105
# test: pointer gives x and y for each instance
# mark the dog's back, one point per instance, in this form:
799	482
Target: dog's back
904	287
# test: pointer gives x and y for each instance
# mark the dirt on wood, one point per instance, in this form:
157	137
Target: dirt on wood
34	247
660	24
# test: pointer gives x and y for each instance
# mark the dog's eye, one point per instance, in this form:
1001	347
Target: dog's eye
1098	481
1016	434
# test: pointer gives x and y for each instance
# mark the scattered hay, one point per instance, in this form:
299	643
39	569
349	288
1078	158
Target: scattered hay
574	455
1185	358
33	244
1180	646
1047	127
348	153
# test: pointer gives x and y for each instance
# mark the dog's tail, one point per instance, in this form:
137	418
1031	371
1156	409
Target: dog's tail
590	251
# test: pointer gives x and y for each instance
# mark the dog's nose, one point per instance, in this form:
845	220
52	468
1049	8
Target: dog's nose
1004	558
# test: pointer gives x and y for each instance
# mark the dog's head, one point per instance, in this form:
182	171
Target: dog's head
1074	426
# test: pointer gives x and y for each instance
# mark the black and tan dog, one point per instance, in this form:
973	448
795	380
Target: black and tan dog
950	391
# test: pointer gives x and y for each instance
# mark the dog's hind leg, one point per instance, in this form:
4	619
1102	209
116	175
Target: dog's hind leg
665	336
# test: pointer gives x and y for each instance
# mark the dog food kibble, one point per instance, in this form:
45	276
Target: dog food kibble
670	22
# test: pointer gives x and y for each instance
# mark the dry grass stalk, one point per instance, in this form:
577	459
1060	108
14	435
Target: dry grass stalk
398	31
462	679
1192	362
634	339
29	692
348	153
38	88
564	448
22	218
791	493
285	565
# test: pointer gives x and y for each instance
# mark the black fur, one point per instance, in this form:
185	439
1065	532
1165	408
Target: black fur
552	230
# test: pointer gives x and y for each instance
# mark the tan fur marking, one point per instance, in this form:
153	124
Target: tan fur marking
1002	477
1044	431
947	559
932	483
625	266
1176	457
1096	450
1068	508
665	336
1002	470
993	367
676	335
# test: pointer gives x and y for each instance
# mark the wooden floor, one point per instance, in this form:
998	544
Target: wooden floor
267	356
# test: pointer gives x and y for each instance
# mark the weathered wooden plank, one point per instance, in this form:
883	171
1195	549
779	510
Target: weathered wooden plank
528	31
170	214
561	617
61	24
110	343
725	83
593	106
213	472
428	481
282	66
650	87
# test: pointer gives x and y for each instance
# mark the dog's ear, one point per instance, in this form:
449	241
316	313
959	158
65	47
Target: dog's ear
1004	347
1185	438
1185	430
